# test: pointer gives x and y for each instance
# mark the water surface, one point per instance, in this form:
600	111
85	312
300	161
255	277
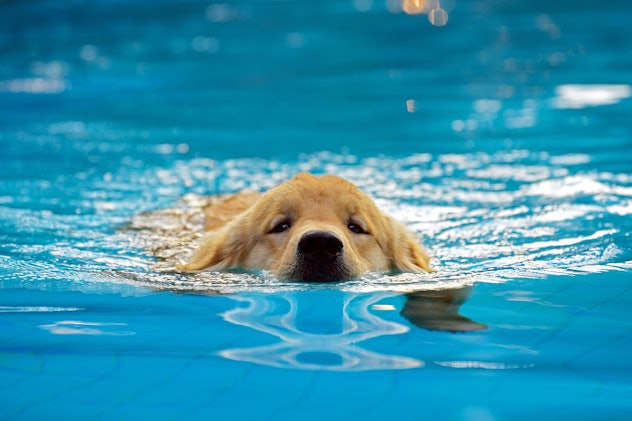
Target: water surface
502	138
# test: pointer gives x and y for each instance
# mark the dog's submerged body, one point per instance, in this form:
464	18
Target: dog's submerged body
306	229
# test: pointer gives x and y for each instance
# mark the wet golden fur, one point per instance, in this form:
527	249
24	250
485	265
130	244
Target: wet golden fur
262	231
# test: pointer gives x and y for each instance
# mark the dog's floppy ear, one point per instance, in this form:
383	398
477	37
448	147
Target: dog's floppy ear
404	251
226	248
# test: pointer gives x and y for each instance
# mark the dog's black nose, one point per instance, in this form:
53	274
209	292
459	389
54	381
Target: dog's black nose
320	247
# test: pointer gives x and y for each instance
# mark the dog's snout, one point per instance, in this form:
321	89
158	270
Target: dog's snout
320	246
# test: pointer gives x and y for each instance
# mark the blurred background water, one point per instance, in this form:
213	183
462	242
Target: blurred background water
499	130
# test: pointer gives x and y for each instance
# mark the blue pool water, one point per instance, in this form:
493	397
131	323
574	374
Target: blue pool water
503	138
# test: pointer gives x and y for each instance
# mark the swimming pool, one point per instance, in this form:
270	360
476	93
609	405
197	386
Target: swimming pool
502	137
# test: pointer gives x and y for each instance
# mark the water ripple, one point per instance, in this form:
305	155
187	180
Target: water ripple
484	218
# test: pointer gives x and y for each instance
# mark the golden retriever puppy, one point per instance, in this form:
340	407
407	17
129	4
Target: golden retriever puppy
306	229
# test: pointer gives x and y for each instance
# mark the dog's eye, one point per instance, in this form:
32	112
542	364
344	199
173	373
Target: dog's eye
280	227
356	228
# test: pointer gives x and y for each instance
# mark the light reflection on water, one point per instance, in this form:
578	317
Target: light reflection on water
332	330
301	346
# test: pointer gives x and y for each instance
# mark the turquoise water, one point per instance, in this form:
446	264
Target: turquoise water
503	138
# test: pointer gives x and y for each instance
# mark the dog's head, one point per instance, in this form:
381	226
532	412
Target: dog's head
312	229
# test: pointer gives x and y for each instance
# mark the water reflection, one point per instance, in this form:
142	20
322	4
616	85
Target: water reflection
317	334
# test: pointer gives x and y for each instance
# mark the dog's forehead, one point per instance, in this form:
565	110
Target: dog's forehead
307	194
323	186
